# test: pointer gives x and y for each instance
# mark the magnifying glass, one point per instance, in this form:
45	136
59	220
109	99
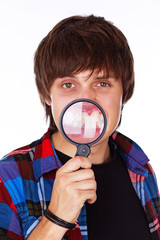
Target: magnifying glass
83	123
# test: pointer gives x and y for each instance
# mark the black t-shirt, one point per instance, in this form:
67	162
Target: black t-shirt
117	212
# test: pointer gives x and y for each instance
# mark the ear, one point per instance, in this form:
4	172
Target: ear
48	101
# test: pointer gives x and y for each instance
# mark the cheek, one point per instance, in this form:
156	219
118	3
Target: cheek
113	112
57	106
56	115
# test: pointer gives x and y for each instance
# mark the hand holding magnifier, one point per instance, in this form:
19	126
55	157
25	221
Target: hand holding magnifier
83	122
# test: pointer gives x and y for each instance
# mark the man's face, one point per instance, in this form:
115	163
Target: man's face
106	91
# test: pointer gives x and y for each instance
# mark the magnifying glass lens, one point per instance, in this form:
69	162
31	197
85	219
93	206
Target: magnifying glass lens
83	122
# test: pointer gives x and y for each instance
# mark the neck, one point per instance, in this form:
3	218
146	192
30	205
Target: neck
100	152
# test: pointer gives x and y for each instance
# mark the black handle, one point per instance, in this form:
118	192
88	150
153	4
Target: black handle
83	150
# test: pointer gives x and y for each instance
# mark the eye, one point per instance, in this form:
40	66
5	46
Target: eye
68	85
103	84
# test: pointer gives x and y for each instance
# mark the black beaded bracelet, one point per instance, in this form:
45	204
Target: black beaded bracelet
53	218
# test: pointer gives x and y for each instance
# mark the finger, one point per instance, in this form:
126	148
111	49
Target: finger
68	179
81	196
75	163
92	200
85	185
80	175
90	196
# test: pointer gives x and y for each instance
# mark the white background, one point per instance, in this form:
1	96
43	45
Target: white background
23	24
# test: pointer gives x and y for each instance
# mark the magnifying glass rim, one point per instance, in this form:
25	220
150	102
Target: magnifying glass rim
70	104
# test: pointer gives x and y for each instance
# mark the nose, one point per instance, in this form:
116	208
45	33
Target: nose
87	93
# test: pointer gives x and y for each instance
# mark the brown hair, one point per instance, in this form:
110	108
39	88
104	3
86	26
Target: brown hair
80	43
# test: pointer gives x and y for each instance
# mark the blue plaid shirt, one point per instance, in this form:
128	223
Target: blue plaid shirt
27	177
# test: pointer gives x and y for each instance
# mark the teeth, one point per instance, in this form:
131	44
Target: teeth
98	118
77	120
72	123
92	122
68	118
72	120
95	116
89	127
101	122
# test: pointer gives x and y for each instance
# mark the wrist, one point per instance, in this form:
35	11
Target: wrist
58	221
53	229
47	230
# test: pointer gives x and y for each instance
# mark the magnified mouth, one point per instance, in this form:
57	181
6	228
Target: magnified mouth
92	118
87	124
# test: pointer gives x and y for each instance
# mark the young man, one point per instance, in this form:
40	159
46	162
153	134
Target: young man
45	188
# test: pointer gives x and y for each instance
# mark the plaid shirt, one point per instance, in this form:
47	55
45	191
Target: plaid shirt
27	176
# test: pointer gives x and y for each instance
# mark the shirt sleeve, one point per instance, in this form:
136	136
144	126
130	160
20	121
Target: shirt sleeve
10	226
152	197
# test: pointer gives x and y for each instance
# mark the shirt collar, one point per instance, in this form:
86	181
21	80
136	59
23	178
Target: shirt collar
45	157
132	154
